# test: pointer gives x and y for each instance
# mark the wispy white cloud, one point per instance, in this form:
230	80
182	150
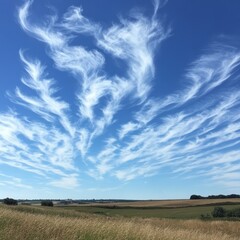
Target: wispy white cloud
121	40
193	131
135	41
35	147
193	138
68	182
6	180
43	103
127	128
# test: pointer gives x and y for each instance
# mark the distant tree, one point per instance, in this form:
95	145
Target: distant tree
219	212
220	196
233	196
196	197
47	203
10	201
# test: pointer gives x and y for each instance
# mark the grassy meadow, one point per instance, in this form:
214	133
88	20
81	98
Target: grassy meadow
87	222
151	212
175	209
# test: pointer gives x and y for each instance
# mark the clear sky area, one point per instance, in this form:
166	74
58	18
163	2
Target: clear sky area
124	99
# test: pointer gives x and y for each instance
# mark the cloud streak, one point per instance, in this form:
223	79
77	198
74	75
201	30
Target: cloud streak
119	130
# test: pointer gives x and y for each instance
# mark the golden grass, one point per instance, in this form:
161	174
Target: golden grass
50	224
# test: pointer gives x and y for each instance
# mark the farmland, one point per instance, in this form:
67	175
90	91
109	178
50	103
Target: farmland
149	212
174	209
178	219
168	203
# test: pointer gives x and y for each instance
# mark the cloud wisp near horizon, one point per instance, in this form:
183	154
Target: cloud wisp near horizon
115	127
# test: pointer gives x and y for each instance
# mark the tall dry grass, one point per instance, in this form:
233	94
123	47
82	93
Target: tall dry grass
36	223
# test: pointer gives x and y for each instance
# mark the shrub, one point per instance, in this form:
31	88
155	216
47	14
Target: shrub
47	203
219	212
234	213
10	201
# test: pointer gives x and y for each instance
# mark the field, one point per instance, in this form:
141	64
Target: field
134	220
175	209
149	212
169	203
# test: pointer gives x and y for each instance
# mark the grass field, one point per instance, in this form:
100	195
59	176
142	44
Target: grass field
169	203
78	222
178	209
149	212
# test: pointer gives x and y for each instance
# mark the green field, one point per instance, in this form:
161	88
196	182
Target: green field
149	212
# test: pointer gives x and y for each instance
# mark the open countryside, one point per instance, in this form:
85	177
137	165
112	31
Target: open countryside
119	120
167	219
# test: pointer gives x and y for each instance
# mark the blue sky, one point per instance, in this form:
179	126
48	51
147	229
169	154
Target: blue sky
125	99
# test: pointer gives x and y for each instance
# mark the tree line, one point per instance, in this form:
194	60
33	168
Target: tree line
220	196
11	201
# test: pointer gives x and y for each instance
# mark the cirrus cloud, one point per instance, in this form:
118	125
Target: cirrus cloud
192	132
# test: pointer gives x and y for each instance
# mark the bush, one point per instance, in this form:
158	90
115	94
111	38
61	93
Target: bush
234	213
219	212
47	203
10	201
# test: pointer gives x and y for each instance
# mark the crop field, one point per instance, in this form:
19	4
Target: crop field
141	203
102	222
177	209
149	212
169	203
